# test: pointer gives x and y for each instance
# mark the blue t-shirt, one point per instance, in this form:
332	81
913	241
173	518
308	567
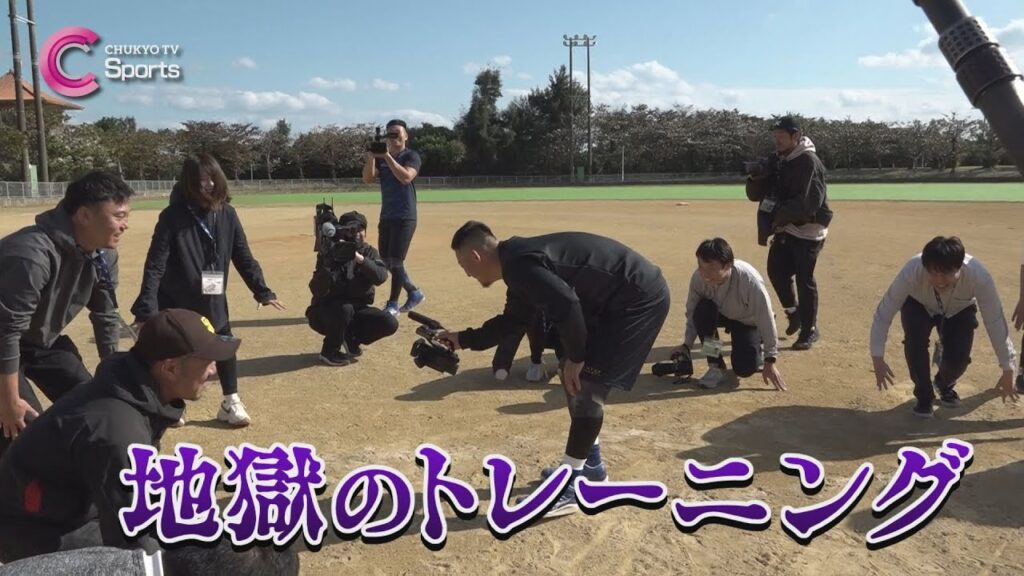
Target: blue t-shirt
398	201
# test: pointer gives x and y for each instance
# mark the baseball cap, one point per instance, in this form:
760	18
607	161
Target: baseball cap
350	217
787	123
176	332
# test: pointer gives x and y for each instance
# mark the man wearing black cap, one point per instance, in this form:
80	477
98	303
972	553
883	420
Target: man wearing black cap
64	469
794	197
397	168
342	307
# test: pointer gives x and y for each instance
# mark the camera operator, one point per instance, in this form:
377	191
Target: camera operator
729	293
397	167
794	207
608	303
343	290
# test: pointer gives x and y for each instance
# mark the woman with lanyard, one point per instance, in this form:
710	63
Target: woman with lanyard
197	236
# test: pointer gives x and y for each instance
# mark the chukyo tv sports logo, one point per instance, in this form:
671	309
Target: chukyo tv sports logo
115	68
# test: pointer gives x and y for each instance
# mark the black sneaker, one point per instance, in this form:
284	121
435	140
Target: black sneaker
949	399
807	339
336	358
923	410
794	323
1020	383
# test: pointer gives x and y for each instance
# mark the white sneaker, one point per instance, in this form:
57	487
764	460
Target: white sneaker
535	373
179	423
233	412
712	378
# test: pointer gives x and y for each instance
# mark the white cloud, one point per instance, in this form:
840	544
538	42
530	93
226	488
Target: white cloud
380	84
136	98
649	83
197	99
261	101
414	117
658	86
496	62
344	84
927	55
523	76
516	92
245	62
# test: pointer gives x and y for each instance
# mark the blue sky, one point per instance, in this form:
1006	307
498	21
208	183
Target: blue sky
318	63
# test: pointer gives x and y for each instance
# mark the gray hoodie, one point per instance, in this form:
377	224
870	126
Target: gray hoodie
45	281
88	562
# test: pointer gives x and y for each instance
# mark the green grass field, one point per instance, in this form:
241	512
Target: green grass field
938	192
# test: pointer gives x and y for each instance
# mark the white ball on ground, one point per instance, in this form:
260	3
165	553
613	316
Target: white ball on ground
500	374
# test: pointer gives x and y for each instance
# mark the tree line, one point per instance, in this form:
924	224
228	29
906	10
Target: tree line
529	135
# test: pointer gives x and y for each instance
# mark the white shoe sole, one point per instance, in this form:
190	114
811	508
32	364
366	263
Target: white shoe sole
563	511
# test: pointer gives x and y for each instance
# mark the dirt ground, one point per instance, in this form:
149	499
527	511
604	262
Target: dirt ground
379	410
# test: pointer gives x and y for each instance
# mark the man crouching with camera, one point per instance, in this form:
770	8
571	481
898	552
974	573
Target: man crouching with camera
347	270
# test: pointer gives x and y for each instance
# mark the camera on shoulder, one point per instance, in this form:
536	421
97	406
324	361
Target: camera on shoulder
337	241
379	145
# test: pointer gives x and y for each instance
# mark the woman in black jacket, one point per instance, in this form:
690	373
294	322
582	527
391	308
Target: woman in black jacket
196	238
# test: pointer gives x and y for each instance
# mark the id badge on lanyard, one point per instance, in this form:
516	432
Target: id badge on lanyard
212	279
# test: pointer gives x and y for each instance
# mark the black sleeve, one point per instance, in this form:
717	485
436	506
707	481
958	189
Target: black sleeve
100	464
247	266
806	195
556	300
758	188
103	313
145	306
21	282
540	288
373	267
512	320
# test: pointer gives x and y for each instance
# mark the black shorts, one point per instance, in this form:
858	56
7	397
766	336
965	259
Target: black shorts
395	238
618	346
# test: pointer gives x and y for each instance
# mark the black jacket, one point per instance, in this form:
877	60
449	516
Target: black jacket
799	193
45	281
181	251
350	283
576	279
69	458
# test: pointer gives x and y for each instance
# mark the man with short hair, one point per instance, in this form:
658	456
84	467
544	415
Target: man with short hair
64	469
65	262
607	301
795	198
941	288
397	167
729	293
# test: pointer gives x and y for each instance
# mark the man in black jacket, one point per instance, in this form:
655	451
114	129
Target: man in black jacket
607	301
794	197
343	291
63	471
50	271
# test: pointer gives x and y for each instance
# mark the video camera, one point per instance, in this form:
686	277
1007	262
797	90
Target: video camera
335	242
429	350
680	366
762	167
378	146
